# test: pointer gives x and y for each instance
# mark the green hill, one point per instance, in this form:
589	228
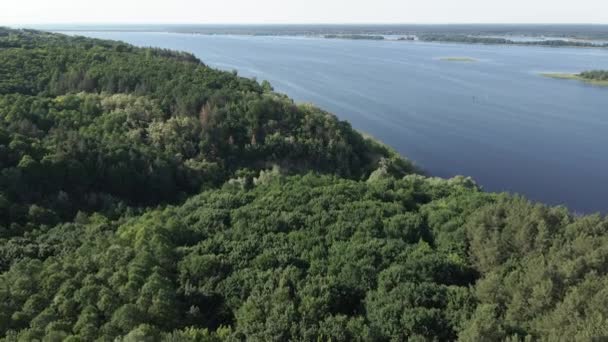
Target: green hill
147	197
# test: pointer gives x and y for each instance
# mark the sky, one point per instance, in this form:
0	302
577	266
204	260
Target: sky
14	12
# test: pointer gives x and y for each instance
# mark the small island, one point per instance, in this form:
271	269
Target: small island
458	59
595	77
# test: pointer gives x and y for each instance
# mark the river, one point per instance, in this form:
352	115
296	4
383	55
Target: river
494	119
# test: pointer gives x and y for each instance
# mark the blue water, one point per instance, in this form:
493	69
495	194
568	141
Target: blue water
496	120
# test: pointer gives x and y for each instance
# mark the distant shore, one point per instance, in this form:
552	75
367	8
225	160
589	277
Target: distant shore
458	59
353	36
582	36
577	77
557	43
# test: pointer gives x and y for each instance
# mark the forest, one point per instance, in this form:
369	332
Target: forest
147	197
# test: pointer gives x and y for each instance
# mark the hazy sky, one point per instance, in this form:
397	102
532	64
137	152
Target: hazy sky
303	11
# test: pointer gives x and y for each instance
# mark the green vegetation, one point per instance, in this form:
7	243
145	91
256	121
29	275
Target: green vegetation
595	77
105	126
147	197
458	59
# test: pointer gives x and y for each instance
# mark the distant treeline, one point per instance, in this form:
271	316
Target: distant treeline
353	36
457	38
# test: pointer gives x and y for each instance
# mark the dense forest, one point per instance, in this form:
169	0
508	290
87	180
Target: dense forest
147	197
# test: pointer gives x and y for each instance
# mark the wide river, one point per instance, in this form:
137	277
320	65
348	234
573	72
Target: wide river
495	119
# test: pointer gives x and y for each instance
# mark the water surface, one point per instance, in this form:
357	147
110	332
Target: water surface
495	119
